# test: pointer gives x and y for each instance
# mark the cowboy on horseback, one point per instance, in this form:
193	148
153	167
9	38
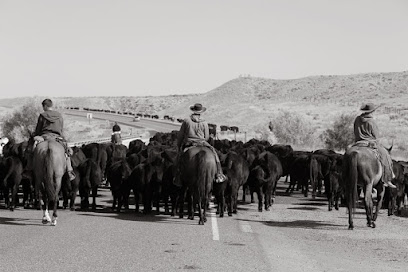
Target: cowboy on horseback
194	132
49	127
366	131
116	134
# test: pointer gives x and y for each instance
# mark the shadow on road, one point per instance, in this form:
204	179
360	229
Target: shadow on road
19	222
131	215
304	208
302	224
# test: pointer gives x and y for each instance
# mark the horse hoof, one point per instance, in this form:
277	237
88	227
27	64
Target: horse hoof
72	209
11	209
191	217
217	212
221	215
259	210
54	222
46	220
229	214
373	225
200	222
205	219
350	227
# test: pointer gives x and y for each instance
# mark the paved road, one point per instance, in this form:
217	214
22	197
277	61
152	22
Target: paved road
151	124
298	234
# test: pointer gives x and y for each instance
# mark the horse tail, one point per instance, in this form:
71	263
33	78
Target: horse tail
49	176
351	180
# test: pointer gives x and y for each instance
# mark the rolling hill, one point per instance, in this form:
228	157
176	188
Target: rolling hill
250	102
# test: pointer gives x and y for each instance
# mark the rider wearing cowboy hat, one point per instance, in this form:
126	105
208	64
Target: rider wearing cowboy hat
50	126
194	130
365	129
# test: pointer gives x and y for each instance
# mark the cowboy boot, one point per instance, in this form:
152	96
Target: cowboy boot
388	183
219	177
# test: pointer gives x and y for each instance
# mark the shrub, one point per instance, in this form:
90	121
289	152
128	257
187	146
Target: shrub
341	134
18	124
291	128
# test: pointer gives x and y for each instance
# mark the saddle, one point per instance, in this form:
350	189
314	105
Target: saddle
370	145
190	145
60	140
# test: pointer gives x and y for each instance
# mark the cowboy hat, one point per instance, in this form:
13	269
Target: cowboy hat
198	108
369	107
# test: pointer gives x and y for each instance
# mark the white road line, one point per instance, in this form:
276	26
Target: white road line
214	224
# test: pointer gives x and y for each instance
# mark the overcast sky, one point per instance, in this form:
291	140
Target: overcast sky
132	48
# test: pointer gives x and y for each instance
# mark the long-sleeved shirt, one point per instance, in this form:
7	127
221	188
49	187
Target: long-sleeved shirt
49	122
365	128
193	129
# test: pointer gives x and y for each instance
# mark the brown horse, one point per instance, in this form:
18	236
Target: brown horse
361	167
197	172
49	165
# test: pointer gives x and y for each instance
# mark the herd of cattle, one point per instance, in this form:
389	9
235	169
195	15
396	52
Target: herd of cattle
212	127
149	171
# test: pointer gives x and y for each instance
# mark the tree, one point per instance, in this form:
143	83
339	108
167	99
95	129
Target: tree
18	124
341	134
291	128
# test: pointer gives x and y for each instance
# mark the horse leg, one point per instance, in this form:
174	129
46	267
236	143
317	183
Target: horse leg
200	210
191	207
380	198
54	202
368	203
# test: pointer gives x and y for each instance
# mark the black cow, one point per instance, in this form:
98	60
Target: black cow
299	171
334	184
394	198
285	155
118	172
11	169
263	177
91	178
234	129
236	169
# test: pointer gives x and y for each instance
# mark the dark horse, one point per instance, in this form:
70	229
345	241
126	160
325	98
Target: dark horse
361	167
197	172
48	164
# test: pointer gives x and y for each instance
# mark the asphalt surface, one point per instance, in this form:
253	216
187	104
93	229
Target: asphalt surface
297	234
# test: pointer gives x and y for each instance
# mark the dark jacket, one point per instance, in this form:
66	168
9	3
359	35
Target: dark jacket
193	129
365	128
49	122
